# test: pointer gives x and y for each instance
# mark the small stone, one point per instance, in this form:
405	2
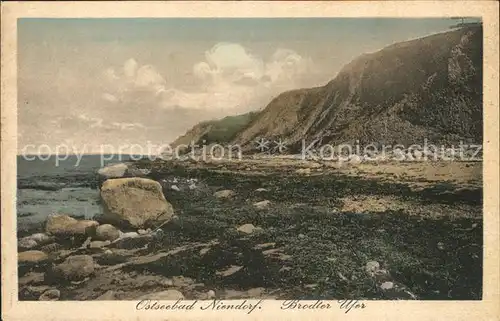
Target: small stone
264	246
355	159
381	273
168	282
112	171
224	194
99	244
64	225
41	238
33	292
32	257
248	228
74	268
262	204
107	232
301	236
440	246
303	171
387	285
204	251
230	271
371	267
133	242
210	294
50	248
33	278
50	295
107	296
128	234
181	281
261	189
34	240
111	258
254	293
26	243
175	188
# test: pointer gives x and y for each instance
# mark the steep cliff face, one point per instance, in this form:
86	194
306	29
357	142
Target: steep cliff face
428	88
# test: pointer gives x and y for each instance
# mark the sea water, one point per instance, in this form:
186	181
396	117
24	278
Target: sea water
47	186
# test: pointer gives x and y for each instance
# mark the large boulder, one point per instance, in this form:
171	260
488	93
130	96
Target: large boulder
64	225
135	202
74	268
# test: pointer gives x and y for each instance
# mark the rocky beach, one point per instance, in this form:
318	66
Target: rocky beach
250	228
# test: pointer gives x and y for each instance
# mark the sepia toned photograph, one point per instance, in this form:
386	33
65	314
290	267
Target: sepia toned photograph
250	158
221	164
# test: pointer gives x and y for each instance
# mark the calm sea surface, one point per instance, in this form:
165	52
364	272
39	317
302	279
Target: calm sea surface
64	186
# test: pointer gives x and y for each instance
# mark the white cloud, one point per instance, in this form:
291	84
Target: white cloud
230	79
232	62
148	78
286	65
233	78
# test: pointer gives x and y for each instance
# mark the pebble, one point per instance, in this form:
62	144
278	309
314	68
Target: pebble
387	285
210	294
50	295
371	267
262	204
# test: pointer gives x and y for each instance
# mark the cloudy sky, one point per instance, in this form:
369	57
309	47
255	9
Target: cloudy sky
88	83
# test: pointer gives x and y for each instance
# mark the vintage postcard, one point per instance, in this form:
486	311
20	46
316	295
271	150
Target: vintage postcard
250	160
